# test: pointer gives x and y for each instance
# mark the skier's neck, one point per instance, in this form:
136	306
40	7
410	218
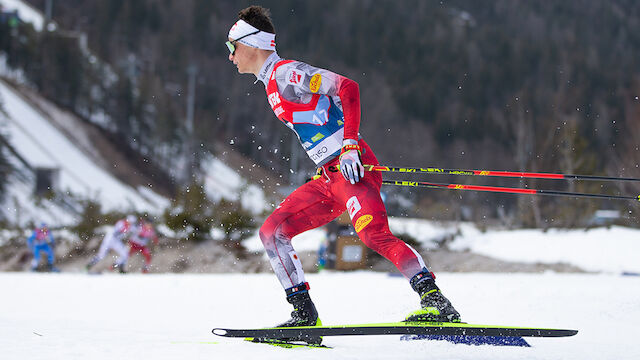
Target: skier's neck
267	67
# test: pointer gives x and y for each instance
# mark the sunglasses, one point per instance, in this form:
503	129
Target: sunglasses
231	44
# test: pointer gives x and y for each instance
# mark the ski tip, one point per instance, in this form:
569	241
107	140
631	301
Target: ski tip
219	332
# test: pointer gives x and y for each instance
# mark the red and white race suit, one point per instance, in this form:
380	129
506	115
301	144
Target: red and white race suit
323	109
113	240
139	242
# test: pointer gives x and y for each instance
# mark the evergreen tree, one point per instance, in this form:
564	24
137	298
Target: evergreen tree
5	168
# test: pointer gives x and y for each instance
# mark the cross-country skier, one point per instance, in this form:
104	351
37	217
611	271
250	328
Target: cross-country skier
323	109
41	240
139	242
113	240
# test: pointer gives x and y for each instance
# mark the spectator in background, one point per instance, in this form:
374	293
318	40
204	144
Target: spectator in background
41	240
139	242
113	240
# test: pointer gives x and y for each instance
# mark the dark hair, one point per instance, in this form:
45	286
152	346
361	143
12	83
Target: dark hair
258	17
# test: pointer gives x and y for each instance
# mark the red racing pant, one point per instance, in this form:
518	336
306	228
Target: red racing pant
321	200
144	250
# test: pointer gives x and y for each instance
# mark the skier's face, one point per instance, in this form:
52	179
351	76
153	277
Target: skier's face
244	57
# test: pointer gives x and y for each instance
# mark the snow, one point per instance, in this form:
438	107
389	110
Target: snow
79	316
22	210
26	13
614	250
222	182
42	145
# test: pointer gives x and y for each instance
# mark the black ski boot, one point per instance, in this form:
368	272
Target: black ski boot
304	313
52	268
91	263
119	268
435	307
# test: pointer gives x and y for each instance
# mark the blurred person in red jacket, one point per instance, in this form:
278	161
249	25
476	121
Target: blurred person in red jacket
139	242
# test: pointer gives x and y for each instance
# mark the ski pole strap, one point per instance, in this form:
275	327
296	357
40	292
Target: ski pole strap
297	289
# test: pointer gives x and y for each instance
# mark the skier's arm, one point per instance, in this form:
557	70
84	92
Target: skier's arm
350	161
349	94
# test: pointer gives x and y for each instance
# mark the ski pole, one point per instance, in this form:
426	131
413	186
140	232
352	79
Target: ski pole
533	175
505	190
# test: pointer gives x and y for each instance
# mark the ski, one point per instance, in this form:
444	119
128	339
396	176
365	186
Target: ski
394	328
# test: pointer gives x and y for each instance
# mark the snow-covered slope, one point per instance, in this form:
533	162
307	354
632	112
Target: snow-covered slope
40	144
222	182
30	130
26	12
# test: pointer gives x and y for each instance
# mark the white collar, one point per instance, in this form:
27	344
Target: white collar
267	68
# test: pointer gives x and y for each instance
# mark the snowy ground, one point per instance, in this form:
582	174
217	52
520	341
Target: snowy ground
612	250
78	316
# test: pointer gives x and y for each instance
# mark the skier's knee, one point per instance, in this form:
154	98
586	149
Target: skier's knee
267	235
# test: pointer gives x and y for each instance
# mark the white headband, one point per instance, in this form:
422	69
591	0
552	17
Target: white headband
262	40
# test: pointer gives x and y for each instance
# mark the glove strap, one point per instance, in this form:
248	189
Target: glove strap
351	147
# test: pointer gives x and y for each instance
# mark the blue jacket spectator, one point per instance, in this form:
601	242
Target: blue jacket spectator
41	240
